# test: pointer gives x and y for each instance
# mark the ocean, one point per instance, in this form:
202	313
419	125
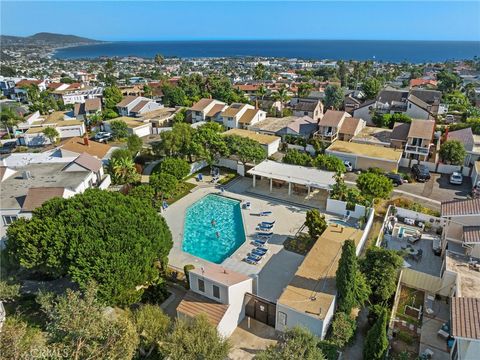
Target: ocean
386	51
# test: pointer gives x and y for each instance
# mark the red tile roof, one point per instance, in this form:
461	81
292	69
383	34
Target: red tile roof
194	304
465	317
471	234
37	196
461	207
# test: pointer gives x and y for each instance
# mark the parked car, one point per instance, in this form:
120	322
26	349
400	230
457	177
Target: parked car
348	166
102	136
8	147
420	172
396	178
456	178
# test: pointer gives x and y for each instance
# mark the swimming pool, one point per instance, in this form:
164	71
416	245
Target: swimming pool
213	228
340	222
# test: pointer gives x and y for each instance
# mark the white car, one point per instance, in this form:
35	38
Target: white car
103	136
456	178
348	165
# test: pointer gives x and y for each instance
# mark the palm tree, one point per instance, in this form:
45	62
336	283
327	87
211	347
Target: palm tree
261	92
51	133
123	171
159	59
282	96
9	118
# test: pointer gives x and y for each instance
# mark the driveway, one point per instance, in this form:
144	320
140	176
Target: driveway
437	188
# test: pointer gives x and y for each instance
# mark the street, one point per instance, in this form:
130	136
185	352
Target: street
436	190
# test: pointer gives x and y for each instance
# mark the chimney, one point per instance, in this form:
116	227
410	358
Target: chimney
85	140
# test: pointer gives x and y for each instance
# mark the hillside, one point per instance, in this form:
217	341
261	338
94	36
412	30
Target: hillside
45	38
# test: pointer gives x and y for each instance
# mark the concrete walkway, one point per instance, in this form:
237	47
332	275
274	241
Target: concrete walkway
355	350
149	168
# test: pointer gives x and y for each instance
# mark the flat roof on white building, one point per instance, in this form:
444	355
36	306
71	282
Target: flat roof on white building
295	174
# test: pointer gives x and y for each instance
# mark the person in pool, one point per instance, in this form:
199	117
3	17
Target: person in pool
213	222
218	234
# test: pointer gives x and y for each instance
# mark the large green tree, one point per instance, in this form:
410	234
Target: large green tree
176	167
376	342
374	185
51	133
134	143
334	97
9	117
453	152
119	129
116	240
111	97
123	170
343	329
380	267
79	327
296	157
352	288
448	81
329	163
247	150
164	184
208	143
195	339
296	344
371	87
153	328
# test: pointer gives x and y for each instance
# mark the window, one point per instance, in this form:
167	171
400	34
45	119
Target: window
305	113
201	285
216	291
8	219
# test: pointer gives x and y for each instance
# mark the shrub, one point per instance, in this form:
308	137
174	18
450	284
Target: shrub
186	270
343	329
296	157
316	223
176	167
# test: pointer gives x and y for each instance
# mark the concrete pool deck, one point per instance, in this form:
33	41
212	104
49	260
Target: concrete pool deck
277	267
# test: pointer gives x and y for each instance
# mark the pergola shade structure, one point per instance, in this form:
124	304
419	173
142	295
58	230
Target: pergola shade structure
310	178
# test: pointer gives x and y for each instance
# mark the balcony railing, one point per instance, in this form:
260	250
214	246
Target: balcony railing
417	149
326	135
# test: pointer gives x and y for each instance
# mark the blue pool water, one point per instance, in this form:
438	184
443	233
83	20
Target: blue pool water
340	222
200	235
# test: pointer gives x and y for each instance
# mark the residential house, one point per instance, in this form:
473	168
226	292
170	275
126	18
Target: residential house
207	110
350	128
74	96
136	106
30	132
78	145
350	104
365	156
136	126
465	328
269	142
470	141
240	116
423	83
303	126
417	139
416	103
330	124
309	299
218	293
27	184
271	107
420	140
462	225
373	136
308	107
89	107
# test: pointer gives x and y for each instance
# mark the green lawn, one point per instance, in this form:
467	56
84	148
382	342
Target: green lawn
182	190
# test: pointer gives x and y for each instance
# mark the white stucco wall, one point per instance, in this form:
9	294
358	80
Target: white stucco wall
295	318
236	311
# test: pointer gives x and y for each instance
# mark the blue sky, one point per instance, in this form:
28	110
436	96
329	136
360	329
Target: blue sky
199	20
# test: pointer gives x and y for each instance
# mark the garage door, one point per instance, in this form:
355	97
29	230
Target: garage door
142	131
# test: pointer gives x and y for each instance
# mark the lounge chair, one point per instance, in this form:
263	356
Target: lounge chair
268	223
259	251
264	234
250	260
265	213
264	228
260	242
